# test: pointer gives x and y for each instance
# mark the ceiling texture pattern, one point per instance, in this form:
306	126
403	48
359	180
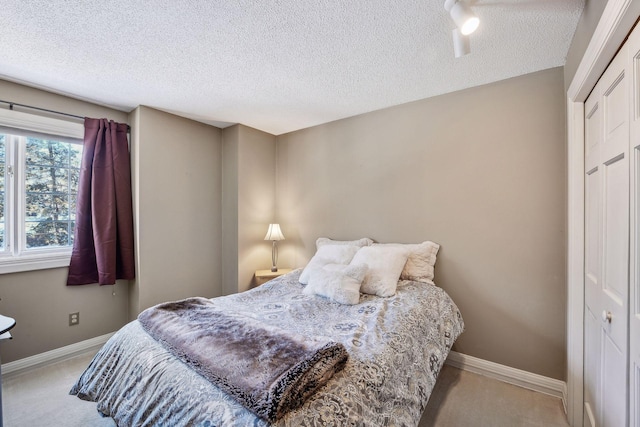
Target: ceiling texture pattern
278	65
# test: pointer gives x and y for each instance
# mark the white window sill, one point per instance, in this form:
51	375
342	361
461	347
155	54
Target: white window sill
34	262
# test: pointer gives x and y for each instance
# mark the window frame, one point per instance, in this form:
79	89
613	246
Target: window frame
15	259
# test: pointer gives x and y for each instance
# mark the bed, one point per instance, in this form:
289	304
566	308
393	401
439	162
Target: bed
396	347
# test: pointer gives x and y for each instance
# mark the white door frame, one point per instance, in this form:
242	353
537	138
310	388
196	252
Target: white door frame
616	22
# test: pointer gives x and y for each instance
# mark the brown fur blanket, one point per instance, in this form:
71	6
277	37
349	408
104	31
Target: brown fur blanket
267	369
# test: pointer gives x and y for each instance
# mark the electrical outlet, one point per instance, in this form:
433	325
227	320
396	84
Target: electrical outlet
74	318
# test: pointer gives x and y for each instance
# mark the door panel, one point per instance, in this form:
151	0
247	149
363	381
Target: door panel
634	315
593	207
634	254
614	381
591	367
593	131
607	131
616	98
635	394
616	234
593	203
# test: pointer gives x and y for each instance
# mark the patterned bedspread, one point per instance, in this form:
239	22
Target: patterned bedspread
396	348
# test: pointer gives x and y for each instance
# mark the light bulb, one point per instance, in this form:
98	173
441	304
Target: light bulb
470	25
462	16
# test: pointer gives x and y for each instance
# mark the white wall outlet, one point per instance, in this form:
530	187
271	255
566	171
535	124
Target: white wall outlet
74	318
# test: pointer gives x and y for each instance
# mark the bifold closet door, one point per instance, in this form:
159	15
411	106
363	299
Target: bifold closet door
607	246
592	279
634	296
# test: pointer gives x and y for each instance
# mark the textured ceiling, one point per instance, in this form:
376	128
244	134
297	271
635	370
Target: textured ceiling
277	65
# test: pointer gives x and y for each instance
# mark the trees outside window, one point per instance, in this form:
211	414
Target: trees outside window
52	170
39	174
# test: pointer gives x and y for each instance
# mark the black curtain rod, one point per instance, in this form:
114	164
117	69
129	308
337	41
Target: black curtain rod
12	104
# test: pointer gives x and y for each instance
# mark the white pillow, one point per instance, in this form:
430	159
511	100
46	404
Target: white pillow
340	283
420	262
384	265
365	241
328	254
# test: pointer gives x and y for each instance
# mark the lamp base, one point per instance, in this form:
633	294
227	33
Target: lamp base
274	257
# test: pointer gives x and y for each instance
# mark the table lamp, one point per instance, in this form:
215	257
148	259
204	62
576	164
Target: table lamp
274	234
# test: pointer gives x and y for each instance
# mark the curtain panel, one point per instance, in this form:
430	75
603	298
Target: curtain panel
103	250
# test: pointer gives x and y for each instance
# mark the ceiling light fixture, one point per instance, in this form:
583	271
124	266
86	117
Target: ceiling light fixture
466	21
461	45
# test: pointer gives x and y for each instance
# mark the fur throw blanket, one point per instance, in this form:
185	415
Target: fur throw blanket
267	369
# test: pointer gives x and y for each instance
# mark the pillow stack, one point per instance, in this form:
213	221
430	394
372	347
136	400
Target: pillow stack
340	283
420	261
384	265
341	270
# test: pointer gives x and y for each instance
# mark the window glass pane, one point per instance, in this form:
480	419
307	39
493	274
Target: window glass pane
51	183
46	179
74	178
2	189
47	233
47	153
2	164
72	206
75	155
44	206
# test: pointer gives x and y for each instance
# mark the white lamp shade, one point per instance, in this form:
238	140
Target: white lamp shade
461	45
274	233
466	21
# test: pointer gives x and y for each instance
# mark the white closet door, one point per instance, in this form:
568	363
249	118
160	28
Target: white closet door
615	263
607	247
593	204
634	297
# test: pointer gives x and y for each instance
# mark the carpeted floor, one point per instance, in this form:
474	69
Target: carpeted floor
465	399
39	398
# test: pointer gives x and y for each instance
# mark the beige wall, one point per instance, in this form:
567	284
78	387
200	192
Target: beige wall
584	31
482	172
230	168
249	207
39	300
177	180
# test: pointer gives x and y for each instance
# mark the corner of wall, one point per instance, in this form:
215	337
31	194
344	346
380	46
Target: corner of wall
134	286
230	141
248	204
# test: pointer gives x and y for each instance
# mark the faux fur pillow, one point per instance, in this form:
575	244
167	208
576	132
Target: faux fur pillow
340	283
328	254
384	265
365	241
420	262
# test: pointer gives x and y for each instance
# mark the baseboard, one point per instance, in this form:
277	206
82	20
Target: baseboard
528	380
56	355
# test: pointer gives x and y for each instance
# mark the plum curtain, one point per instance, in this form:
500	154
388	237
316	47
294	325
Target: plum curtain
103	249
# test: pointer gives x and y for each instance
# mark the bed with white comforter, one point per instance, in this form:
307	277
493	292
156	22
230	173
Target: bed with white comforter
396	345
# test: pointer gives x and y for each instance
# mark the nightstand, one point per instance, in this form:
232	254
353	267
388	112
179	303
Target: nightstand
263	276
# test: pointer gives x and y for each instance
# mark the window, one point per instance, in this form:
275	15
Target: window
39	172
